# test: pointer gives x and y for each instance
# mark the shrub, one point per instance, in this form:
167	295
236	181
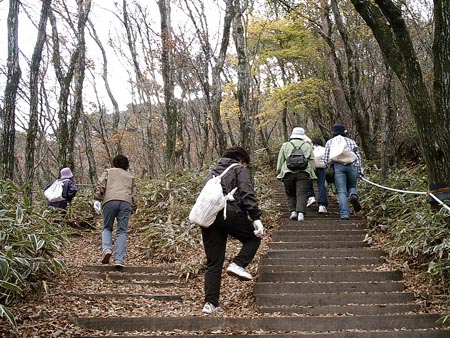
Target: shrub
28	244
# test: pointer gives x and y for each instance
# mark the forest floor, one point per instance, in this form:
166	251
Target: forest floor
49	316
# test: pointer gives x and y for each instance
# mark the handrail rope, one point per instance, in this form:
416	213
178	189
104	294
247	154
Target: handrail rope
409	192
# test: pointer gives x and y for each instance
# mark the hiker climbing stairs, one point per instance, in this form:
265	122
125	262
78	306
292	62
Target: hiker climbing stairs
318	278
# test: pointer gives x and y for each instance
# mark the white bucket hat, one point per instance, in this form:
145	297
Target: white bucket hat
299	133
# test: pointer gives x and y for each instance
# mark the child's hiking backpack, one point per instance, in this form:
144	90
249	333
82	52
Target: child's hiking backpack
54	193
211	200
297	160
340	152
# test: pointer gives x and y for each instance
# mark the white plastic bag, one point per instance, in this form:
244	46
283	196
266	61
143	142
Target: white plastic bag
319	151
54	193
339	151
98	207
210	201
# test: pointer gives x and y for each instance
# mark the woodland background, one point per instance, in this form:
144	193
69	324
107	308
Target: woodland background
197	76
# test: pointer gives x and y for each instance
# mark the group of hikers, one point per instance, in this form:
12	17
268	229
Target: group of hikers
115	199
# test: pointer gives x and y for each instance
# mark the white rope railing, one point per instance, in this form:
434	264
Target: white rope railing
409	192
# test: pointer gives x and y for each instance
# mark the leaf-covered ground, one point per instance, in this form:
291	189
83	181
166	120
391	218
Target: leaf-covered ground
49	316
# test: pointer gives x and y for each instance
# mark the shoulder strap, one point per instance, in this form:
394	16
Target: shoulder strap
226	170
293	144
298	147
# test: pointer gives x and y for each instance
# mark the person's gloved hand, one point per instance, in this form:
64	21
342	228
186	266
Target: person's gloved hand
259	228
97	207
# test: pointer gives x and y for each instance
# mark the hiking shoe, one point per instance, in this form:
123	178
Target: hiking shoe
239	272
293	215
119	264
300	217
311	201
354	201
322	209
209	308
106	255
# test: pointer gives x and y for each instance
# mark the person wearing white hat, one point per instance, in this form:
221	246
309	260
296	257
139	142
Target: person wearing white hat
296	182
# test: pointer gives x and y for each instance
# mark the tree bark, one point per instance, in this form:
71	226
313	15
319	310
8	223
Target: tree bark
389	28
64	80
243	85
12	85
216	88
116	112
168	80
84	8
33	125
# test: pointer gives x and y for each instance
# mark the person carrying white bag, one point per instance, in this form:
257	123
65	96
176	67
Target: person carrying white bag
242	221
343	153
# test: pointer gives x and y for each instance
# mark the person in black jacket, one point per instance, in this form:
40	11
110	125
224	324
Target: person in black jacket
242	221
69	191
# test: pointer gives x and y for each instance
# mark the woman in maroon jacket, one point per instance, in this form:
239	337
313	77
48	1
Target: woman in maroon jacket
242	222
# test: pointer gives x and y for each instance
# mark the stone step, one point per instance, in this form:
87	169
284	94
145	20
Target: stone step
283	324
129	277
308	287
315	299
304	237
299	231
316	245
263	268
358	334
322	261
325	253
331	225
333	276
339	310
126	295
127	269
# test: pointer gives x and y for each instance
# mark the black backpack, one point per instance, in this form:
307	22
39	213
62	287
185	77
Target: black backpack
297	160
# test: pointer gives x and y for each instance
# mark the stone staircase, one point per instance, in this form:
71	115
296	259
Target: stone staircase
317	279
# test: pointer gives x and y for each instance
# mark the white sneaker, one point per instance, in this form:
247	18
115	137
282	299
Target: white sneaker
209	308
293	215
311	201
322	209
239	272
300	217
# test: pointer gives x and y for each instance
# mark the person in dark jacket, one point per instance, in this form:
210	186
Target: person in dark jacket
69	192
242	221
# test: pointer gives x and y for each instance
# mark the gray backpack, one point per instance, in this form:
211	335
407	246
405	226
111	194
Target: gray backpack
297	160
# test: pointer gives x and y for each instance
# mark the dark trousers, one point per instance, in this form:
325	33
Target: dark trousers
236	225
296	188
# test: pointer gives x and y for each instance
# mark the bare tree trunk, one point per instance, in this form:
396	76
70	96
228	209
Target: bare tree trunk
168	79
33	125
389	126
216	88
11	88
116	112
354	99
243	85
89	151
64	80
389	28
143	90
84	8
